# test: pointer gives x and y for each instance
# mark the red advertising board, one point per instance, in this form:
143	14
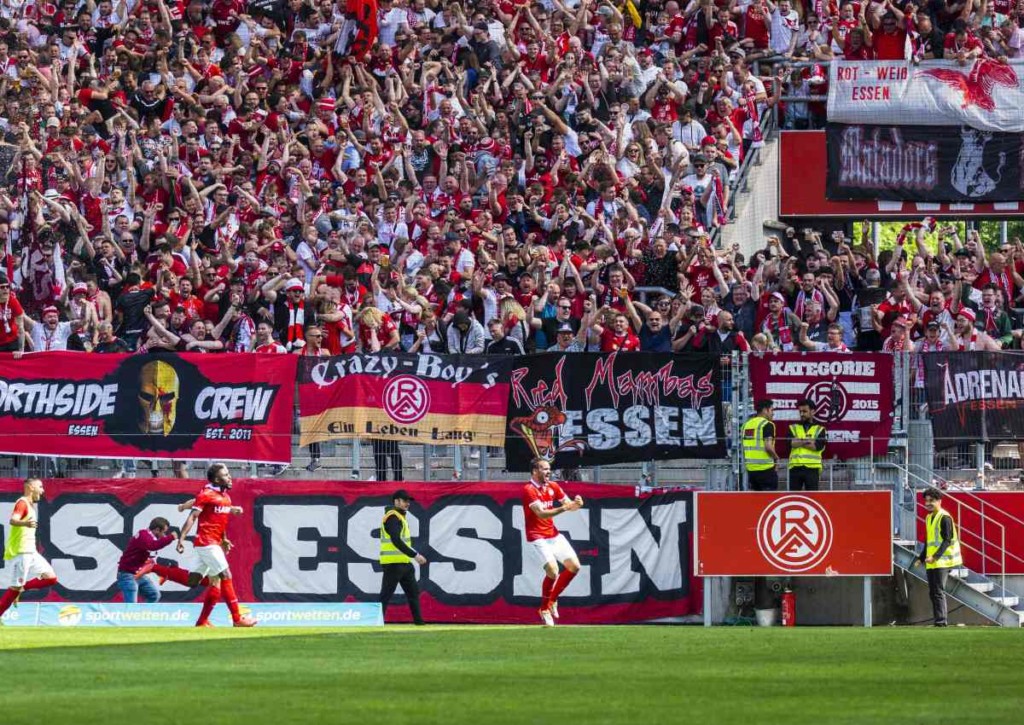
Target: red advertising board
991	526
803	160
185	407
821	533
318	541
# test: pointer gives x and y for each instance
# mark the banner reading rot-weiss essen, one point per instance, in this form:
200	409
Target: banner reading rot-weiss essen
975	396
301	541
933	164
986	95
820	533
447	399
186	407
582	409
852	397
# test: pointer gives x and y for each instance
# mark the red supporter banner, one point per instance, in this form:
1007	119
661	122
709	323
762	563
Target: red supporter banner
319	541
440	399
821	533
991	527
187	407
852	395
802	193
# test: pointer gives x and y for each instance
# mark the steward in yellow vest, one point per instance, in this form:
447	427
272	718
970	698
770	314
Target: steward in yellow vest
397	555
941	552
759	455
807	444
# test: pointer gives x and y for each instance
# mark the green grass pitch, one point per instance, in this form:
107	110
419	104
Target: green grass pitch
494	675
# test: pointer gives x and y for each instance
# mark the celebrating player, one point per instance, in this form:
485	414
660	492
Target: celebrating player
543	500
29	570
211	509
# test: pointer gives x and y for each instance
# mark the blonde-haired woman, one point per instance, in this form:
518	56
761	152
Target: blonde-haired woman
515	320
413	307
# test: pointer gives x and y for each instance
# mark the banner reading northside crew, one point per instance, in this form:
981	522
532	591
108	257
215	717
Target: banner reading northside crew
852	396
304	541
583	409
986	95
443	399
933	164
975	396
186	407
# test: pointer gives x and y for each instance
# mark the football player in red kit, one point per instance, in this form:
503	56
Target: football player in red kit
543	500
211	510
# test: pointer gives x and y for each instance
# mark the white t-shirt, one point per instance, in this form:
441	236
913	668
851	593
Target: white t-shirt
783	28
44	339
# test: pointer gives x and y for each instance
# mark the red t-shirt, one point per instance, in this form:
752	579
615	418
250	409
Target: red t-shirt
889	47
549	497
8	314
610	342
214	507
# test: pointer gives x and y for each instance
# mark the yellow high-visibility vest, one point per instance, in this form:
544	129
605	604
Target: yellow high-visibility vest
805	457
755	455
951	556
389	553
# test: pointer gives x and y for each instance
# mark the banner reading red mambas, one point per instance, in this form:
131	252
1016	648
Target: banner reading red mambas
318	541
852	396
443	399
185	407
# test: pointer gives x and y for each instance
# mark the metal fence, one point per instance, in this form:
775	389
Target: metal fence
909	459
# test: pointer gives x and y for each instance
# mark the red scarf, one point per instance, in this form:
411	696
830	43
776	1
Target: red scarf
974	341
296	323
755	119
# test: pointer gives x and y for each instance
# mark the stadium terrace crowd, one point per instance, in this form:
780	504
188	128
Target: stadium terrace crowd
463	177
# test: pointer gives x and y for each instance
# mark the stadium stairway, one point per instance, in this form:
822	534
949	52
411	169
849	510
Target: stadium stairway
982	594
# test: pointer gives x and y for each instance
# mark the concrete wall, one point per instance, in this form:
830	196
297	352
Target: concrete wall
760	204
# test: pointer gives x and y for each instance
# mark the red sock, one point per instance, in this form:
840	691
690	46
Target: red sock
177	575
212	597
7	600
39	584
563	581
231	599
545	592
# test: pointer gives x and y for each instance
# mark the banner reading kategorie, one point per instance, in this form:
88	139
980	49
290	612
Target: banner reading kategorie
986	94
589	409
317	541
933	164
186	407
440	399
975	396
852	397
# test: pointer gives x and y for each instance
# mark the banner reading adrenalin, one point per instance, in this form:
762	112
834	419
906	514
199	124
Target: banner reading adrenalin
299	541
929	163
975	396
186	407
852	397
583	409
443	399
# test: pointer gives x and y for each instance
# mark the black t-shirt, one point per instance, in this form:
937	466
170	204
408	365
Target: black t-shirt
131	304
114	346
660	341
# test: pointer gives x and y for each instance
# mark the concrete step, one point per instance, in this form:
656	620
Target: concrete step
1007	601
983	587
961	573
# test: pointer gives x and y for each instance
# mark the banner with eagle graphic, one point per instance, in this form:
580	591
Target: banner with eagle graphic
986	94
591	409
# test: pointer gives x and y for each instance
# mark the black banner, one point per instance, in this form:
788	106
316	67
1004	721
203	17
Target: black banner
975	396
913	163
582	409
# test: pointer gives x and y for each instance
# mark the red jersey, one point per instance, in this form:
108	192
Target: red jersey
549	496
214	507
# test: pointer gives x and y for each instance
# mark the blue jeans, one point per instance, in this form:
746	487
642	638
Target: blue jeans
130	588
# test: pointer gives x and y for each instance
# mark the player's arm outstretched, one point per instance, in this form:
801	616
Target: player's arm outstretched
185	529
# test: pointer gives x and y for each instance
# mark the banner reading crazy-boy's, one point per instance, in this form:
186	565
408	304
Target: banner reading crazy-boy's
589	409
185	407
443	399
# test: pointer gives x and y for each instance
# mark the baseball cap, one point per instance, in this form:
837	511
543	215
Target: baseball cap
902	321
708	141
291	284
402	494
500	277
779	296
932	323
968	313
51	194
277	247
50	308
80	288
566	327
